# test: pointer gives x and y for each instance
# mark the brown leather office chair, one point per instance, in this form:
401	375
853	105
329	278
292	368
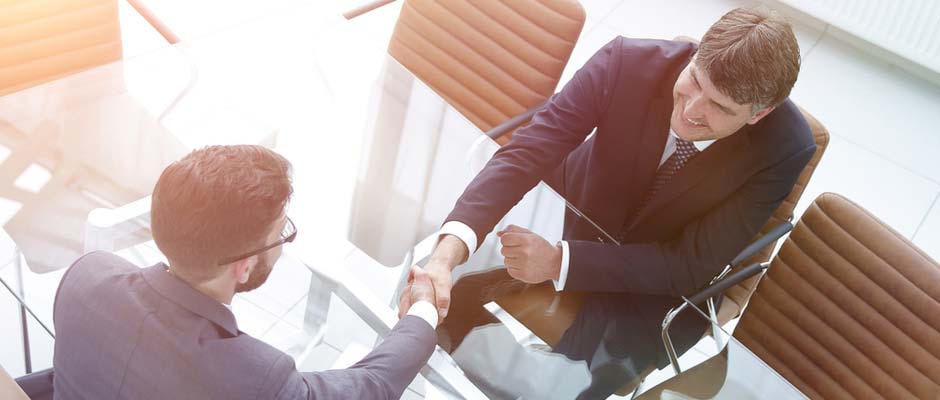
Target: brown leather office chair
491	60
737	297
41	40
849	309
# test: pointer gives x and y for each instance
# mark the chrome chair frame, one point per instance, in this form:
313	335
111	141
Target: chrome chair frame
726	279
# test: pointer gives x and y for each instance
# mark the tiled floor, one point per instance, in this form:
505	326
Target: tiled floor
882	154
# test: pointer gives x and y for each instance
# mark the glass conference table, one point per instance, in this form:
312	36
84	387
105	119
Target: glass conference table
378	161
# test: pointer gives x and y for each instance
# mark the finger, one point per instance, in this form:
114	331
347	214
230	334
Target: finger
414	271
517	229
420	276
510	252
512	239
404	302
442	299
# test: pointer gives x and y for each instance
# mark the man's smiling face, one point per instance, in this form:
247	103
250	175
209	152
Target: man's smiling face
701	112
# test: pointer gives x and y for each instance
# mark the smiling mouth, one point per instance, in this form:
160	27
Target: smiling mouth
693	123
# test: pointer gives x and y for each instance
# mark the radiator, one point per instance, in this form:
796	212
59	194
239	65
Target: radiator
907	28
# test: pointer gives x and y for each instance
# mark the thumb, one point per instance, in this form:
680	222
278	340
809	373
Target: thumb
419	276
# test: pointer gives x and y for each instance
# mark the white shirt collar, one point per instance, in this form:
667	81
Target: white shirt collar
701	145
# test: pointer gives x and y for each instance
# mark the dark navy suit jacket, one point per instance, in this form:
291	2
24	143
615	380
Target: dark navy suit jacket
123	332
692	227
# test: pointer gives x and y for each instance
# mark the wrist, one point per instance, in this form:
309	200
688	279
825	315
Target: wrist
450	252
556	262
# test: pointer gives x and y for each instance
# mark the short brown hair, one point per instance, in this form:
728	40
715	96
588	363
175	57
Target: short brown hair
217	202
751	56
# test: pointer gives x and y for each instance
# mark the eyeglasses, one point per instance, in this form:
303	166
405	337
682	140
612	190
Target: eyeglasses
287	235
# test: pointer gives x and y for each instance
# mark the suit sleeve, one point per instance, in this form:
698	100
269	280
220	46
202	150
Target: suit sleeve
383	374
563	124
681	266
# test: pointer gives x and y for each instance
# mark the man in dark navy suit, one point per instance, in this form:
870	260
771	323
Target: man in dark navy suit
694	148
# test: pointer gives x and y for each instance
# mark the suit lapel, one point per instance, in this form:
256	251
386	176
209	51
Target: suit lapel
647	149
713	161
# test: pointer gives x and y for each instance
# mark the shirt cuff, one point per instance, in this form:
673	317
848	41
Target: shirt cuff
462	232
426	311
563	275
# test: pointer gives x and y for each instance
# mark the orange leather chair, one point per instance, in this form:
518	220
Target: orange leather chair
849	309
41	40
491	60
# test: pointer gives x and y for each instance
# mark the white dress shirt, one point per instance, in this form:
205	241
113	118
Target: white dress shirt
469	238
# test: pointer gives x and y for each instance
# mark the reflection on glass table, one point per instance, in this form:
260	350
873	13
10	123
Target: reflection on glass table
97	138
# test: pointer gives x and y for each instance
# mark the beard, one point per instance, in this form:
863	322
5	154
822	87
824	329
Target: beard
259	275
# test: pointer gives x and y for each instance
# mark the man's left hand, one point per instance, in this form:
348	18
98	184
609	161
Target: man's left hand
529	257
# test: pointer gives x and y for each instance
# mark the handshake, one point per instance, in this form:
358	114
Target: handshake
527	256
419	288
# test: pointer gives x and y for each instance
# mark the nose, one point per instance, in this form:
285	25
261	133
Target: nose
695	105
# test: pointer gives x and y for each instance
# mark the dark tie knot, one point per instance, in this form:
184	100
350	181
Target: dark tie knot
685	149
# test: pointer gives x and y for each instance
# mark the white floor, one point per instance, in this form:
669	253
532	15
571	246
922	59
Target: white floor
882	152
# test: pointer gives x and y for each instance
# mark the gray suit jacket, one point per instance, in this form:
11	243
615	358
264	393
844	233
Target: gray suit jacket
123	332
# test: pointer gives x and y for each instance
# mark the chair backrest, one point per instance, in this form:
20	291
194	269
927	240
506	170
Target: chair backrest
740	293
8	387
848	309
491	60
41	40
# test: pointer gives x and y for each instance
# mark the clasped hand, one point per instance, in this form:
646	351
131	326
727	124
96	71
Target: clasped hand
419	288
527	256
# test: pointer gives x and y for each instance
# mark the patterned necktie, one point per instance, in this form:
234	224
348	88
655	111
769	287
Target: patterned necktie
685	150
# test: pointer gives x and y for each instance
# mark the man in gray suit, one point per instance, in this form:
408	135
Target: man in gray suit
168	332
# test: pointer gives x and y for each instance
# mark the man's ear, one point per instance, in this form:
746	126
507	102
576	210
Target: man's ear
760	114
242	268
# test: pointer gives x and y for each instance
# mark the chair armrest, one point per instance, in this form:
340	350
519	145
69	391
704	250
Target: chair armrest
762	242
727	282
112	229
714	289
723	282
511	124
155	22
372	5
